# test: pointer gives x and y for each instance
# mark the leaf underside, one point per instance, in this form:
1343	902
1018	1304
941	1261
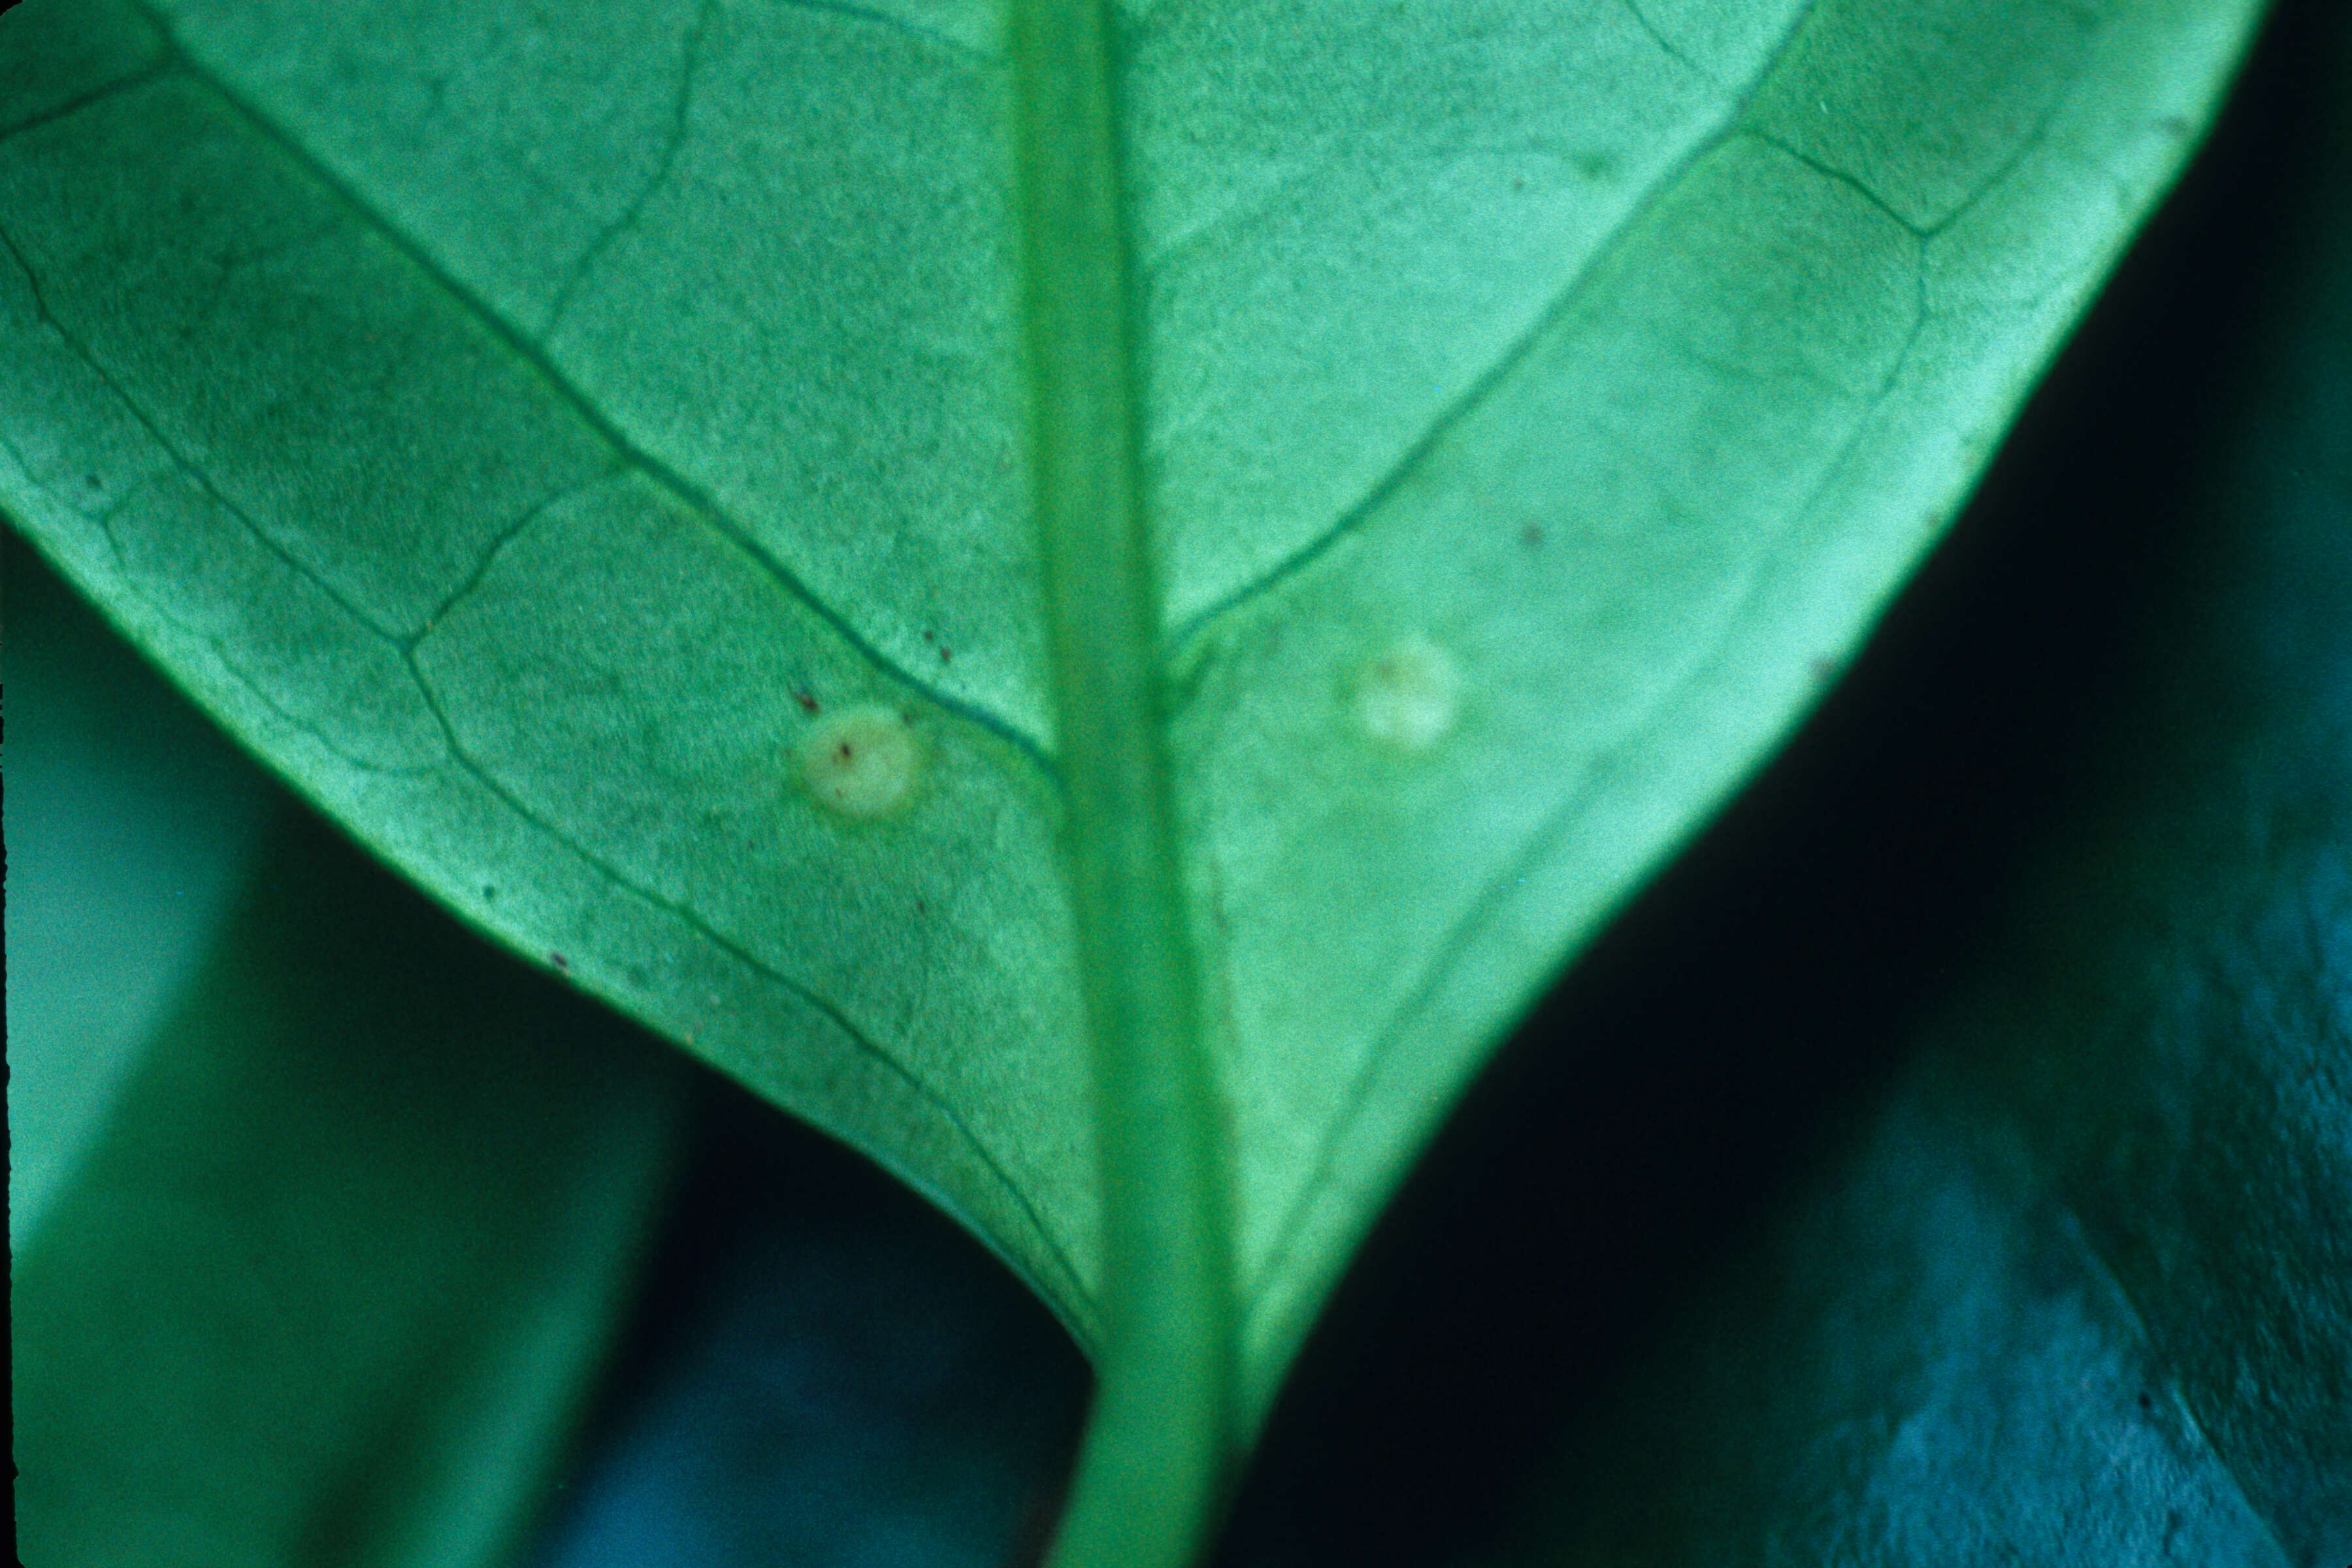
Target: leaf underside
525	430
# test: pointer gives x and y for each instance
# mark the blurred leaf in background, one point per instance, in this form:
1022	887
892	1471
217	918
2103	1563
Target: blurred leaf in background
330	1244
132	824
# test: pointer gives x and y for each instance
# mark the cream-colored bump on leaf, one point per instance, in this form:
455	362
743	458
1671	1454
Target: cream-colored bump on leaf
1409	695
861	762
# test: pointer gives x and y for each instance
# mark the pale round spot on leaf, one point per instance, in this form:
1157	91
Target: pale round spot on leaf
1409	695
860	762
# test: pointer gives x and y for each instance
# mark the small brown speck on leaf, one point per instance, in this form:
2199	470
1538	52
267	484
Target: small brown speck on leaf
558	960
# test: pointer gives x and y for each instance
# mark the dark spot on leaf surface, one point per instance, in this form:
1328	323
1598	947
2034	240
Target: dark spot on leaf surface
1532	536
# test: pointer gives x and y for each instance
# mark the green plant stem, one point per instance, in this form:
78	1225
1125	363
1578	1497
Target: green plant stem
1152	1473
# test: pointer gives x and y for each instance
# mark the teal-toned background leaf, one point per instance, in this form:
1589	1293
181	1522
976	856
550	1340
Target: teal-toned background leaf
131	826
526	431
325	1270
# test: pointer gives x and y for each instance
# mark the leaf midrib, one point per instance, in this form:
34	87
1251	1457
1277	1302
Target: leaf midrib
1162	1436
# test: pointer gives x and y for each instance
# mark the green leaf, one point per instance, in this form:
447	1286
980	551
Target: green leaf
131	826
330	1270
589	455
2077	1285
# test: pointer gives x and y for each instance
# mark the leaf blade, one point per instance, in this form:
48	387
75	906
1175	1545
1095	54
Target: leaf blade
656	554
